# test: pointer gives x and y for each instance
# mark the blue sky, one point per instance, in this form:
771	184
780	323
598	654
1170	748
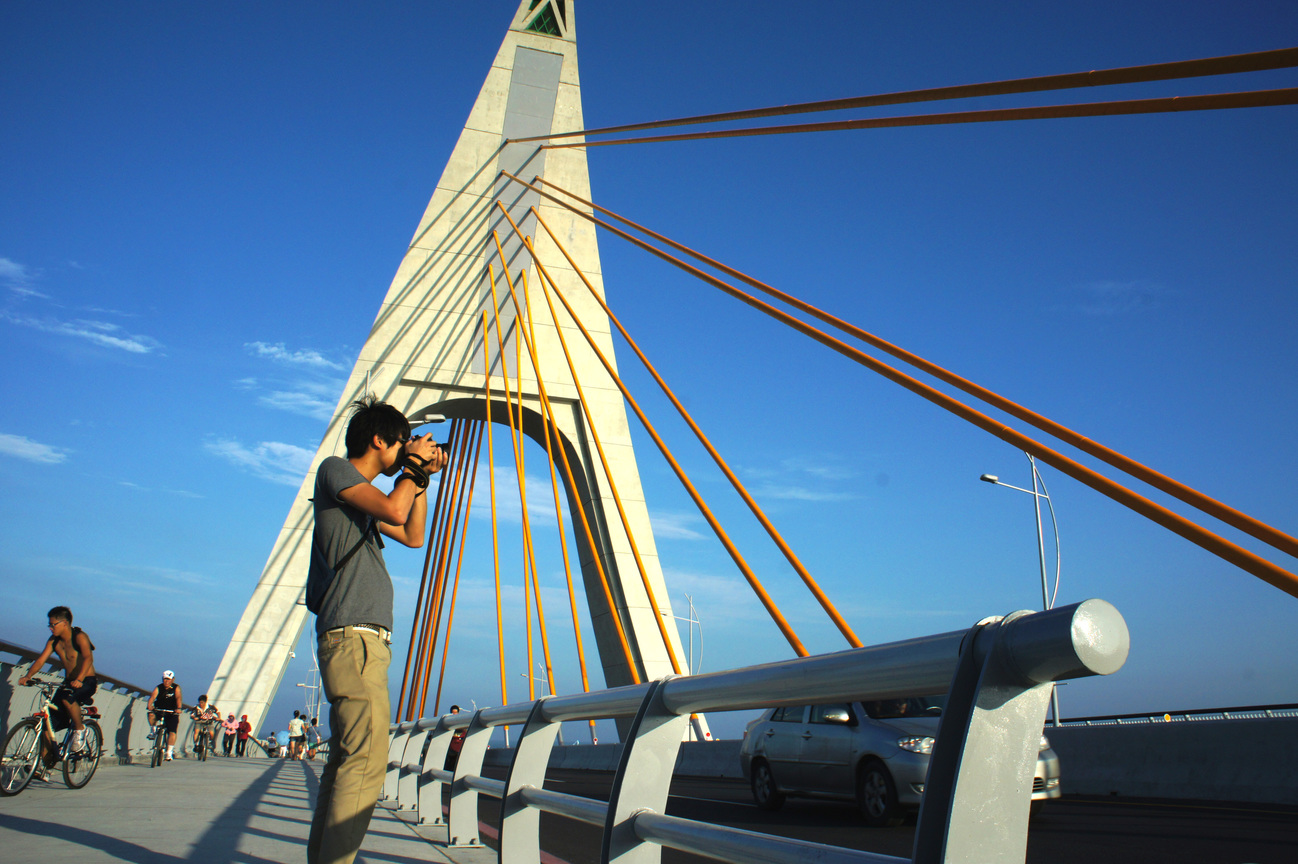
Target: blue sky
203	206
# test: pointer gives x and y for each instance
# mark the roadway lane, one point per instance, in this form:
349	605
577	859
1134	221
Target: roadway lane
1068	831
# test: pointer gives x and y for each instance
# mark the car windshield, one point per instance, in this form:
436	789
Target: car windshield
913	706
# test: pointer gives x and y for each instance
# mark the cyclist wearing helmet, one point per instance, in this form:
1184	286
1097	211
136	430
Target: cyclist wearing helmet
167	695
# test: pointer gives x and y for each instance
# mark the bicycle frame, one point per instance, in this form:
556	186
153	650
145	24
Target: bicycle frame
78	767
48	689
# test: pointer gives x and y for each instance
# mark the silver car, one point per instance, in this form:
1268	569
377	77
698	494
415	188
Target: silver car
874	752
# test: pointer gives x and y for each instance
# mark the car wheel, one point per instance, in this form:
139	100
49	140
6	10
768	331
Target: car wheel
876	795
765	791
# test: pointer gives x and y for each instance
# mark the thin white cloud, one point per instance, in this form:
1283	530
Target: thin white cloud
540	499
102	333
285	464
311	400
675	526
17	278
793	492
280	354
183	493
1109	298
25	448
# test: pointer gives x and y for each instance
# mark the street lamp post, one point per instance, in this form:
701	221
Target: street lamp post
1038	491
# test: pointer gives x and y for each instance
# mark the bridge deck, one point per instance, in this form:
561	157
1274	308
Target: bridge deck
214	812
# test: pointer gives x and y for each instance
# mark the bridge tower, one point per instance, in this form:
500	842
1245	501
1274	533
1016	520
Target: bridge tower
425	354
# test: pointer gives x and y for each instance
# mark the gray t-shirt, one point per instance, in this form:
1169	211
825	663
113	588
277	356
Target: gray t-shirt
362	592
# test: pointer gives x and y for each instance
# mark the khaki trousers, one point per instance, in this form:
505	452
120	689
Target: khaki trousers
354	671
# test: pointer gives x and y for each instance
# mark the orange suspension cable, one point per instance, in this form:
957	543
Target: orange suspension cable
495	541
433	612
460	452
733	551
419	602
435	538
1248	524
1229	65
463	449
590	539
1165	105
825	603
1197	534
474	440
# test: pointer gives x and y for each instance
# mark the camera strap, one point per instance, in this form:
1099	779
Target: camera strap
365	535
315	599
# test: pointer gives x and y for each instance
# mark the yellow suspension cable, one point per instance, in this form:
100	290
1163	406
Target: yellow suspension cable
495	541
585	523
529	540
789	555
518	344
550	424
514	435
729	545
599	447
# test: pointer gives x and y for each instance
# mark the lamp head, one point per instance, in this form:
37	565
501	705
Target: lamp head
424	418
990	478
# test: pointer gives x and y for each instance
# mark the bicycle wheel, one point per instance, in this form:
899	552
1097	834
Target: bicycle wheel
159	743
202	747
79	767
21	754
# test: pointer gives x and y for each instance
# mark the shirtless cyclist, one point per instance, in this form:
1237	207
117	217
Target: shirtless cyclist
74	648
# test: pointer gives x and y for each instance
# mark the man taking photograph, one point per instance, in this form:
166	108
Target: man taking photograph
350	591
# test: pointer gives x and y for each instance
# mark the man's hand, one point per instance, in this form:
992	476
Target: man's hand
22	682
75	684
427	451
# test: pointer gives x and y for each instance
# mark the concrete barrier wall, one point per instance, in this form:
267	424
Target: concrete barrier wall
123	717
1210	760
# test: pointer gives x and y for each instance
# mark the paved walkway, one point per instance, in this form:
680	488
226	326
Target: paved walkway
251	811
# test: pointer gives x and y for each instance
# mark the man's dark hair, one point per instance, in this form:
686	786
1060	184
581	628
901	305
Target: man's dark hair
61	613
201	698
371	417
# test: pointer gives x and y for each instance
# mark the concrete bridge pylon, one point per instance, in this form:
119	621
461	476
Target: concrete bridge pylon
425	354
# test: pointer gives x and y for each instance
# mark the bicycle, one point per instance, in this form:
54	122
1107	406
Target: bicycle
160	735
206	740
22	751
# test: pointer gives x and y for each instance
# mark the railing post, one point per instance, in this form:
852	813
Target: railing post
396	743
430	785
979	788
643	779
520	825
464	799
408	775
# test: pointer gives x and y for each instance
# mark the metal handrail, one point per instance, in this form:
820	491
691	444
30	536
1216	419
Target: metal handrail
997	676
